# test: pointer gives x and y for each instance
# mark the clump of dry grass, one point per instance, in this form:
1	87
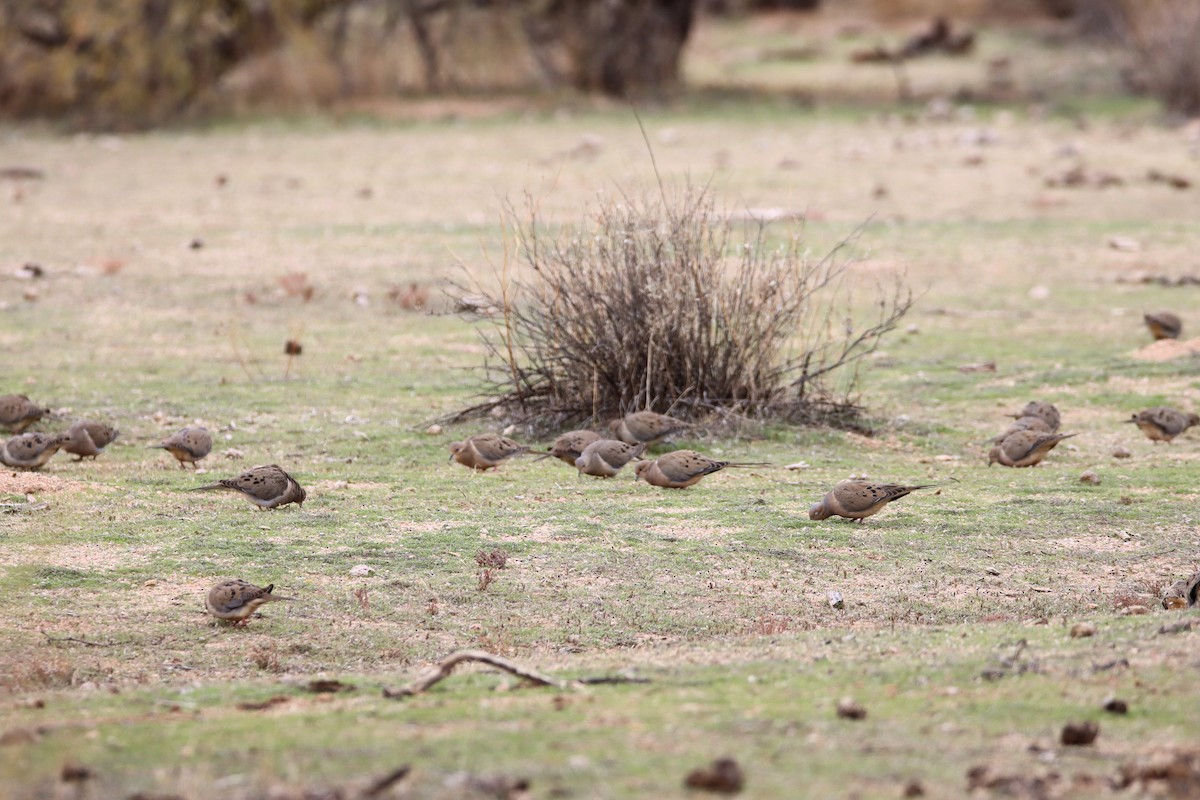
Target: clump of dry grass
666	303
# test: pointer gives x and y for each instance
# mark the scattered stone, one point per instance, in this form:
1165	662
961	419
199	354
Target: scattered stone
1089	477
836	600
361	571
723	776
1124	244
1082	630
1078	734
433	430
799	465
913	788
196	244
849	708
1121	452
74	772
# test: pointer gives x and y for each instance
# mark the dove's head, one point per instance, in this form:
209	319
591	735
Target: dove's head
640	468
455	449
994	456
819	511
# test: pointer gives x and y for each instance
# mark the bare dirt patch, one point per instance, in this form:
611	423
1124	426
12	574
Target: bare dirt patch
35	483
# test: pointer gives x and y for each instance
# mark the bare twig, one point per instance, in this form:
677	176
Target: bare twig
387	781
63	639
443	668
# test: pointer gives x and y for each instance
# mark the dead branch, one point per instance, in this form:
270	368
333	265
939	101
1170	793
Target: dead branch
64	639
443	668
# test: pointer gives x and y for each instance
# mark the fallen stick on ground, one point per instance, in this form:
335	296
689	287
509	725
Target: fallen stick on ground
443	668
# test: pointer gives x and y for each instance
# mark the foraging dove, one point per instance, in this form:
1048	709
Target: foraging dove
266	486
570	446
859	499
1161	424
86	438
30	451
645	427
1023	424
485	451
18	412
188	445
605	457
236	601
1025	448
679	469
1046	411
1163	325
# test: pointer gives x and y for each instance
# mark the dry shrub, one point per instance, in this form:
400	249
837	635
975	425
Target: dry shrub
491	559
1165	37
665	303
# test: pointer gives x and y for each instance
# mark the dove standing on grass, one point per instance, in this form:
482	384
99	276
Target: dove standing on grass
30	451
570	446
681	468
858	500
1036	424
485	451
1163	325
1046	411
645	427
18	412
188	445
604	458
266	486
235	601
1025	448
1161	424
88	439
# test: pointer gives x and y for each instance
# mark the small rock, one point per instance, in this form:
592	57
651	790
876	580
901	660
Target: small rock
1039	292
196	244
74	772
912	329
836	600
1121	452
361	571
433	430
798	465
914	788
848	708
1082	630
1089	477
1077	734
1114	705
1124	244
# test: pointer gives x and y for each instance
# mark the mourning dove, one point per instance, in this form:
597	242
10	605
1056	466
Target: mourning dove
189	445
679	470
18	412
86	438
30	451
236	601
605	457
570	446
1163	325
645	427
266	486
859	499
1161	424
1024	424
1046	411
1025	448
485	451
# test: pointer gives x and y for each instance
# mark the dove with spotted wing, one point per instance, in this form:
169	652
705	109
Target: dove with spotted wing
88	439
604	458
1162	424
1163	325
1025	448
188	445
570	446
485	451
645	427
858	499
266	486
30	451
18	412
1046	411
682	468
236	601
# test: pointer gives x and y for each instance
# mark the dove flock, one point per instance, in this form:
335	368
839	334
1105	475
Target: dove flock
1026	442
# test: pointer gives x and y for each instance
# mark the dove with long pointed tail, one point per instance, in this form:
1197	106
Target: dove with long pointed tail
859	499
485	451
645	427
1162	424
682	468
88	439
265	486
236	601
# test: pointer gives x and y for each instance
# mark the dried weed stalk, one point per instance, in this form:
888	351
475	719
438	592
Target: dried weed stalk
667	304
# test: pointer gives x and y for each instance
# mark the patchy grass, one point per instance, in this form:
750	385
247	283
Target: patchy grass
718	595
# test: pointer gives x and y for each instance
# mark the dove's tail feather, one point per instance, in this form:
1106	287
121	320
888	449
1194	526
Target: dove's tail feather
750	464
206	488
